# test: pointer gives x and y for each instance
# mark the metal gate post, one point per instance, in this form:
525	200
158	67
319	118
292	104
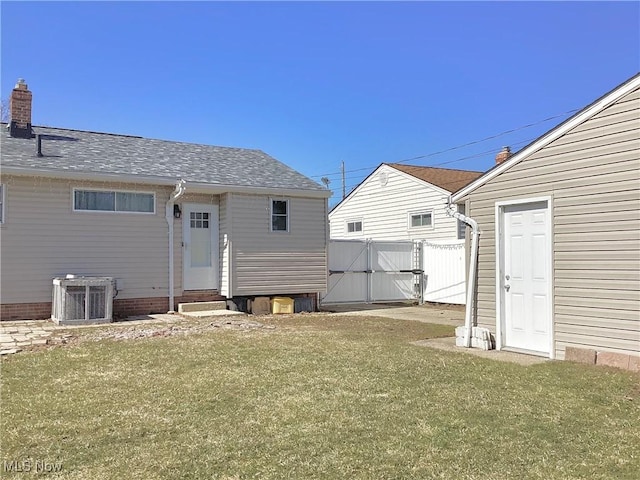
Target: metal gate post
369	274
418	262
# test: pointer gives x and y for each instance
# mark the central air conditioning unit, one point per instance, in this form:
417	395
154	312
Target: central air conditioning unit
82	300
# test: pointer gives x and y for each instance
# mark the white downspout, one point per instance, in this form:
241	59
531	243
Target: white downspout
475	234
176	194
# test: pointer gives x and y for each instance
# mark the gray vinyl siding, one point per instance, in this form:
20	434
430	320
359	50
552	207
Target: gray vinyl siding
43	238
592	174
272	263
385	209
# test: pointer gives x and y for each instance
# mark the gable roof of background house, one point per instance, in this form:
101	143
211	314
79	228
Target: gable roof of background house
445	178
73	151
556	132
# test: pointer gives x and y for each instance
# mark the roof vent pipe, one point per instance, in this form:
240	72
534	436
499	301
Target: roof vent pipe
39	145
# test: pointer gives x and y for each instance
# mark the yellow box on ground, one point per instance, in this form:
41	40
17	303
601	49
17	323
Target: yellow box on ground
281	305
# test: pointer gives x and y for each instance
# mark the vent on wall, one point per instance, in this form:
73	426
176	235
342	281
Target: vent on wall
82	300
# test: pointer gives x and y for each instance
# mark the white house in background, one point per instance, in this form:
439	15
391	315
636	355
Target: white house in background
401	202
396	204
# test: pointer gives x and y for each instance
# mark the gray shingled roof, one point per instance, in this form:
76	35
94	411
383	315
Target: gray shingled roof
102	153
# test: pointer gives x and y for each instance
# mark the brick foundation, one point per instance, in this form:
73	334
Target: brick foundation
624	361
139	306
25	311
121	307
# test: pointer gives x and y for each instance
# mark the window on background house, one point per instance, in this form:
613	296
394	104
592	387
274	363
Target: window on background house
424	219
462	227
112	201
1	203
354	226
279	215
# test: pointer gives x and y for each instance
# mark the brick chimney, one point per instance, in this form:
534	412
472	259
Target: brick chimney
503	155
20	111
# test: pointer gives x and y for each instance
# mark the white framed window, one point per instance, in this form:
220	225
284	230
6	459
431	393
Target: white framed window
421	219
85	200
462	227
354	227
279	215
2	202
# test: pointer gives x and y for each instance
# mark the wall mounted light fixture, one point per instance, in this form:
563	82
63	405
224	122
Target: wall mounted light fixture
177	213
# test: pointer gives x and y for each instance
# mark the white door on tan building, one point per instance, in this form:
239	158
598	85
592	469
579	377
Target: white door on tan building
200	246
526	270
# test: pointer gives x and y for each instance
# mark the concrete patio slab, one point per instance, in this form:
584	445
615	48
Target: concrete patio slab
449	344
428	313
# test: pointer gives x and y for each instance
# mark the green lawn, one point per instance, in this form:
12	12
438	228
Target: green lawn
316	397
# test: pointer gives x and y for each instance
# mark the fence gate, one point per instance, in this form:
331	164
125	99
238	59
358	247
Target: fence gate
364	271
444	272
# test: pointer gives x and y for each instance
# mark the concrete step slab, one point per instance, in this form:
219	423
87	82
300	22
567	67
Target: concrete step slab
211	313
201	306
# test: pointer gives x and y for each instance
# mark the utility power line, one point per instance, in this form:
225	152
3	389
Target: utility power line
436	165
457	147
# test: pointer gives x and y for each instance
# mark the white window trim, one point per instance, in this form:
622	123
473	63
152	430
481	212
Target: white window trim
3	197
354	220
421	227
271	200
110	212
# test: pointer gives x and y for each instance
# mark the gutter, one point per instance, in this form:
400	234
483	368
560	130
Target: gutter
175	195
475	235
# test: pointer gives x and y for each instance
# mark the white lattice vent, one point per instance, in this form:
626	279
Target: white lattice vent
82	300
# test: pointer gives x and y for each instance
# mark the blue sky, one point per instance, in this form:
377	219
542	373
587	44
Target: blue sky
317	83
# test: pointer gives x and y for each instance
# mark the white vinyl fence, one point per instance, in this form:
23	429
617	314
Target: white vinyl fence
366	271
444	279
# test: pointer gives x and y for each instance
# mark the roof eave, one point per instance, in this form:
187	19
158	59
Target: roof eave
194	187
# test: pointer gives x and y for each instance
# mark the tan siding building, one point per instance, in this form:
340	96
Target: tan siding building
169	222
571	200
43	238
266	262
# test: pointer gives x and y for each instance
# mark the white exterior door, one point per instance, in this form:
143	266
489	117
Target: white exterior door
200	246
525	286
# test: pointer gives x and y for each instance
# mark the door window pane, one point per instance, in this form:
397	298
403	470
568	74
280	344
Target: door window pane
200	240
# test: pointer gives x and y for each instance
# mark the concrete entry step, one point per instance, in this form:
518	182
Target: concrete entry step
201	306
211	313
